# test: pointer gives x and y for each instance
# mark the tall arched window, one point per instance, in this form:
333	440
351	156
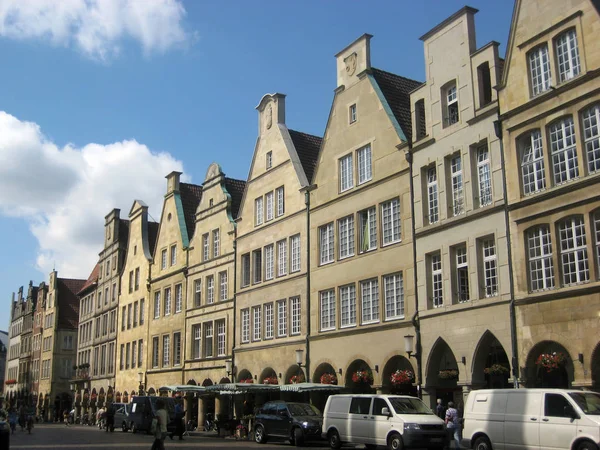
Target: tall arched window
573	251
539	255
532	162
591	137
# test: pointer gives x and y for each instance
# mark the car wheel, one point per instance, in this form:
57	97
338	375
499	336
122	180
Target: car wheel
587	445
482	443
334	440
298	437
124	427
259	434
395	442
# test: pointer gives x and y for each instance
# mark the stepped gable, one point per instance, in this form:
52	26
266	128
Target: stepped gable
307	146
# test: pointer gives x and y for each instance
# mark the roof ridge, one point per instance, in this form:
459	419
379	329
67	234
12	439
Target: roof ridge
396	75
306	134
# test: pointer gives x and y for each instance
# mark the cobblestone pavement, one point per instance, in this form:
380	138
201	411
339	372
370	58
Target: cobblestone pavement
59	437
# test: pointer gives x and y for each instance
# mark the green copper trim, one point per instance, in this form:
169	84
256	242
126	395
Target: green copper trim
387	108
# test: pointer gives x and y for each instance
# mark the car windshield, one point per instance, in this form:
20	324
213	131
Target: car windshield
589	402
409	406
302	409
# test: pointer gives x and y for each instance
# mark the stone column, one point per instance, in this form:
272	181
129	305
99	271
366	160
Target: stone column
201	411
189	399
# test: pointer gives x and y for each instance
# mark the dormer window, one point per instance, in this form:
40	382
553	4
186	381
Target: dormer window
450	96
485	84
539	70
269	161
567	55
352	113
420	119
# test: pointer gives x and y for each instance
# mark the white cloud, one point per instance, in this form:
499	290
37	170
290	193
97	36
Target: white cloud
64	193
96	27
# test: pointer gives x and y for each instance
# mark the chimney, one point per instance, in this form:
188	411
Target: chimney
173	182
353	60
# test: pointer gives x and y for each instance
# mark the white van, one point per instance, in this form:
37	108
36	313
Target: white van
532	419
396	421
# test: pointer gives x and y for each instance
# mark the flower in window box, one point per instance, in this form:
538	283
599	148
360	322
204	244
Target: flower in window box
270	380
329	378
402	377
362	377
247	381
448	374
297	379
551	361
496	369
9	382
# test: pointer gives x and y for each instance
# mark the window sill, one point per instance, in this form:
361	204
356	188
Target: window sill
326	263
391	243
324	330
391	319
371	322
343	327
341	258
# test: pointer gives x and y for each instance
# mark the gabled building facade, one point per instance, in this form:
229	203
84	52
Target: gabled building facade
12	390
36	351
272	309
361	251
549	100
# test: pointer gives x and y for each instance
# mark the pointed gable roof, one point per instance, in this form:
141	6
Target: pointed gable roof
190	199
396	91
307	146
91	281
235	188
68	302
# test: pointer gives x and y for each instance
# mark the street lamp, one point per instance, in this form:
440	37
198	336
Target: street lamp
229	367
141	380
299	357
409	345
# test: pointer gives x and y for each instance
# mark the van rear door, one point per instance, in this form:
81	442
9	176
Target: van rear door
557	427
522	420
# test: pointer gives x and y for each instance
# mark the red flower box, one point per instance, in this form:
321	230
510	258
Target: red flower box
402	377
551	361
270	380
329	378
362	377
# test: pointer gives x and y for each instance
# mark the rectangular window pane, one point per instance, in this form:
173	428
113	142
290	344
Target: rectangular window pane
573	251
365	169
156	305
394	296
167	301
205	247
176	349
216	243
221	338
564	150
245	325
166	350
269	200
282	258
484	176
178	298
269	270
348	306
281	318
346	173
197	334
390	212
208	340
591	136
541	268
436	280
567	53
458	203
224	286
346	236
368	229
280	201
326	243
490	267
246	270
256	323
296	315
432	195
532	163
258	211
327	309
370	301
295	253
197	293
210	289
462	274
269	319
539	70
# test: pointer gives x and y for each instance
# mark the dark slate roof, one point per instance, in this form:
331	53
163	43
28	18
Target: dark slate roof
396	90
123	232
307	146
152	236
190	199
68	302
236	190
91	281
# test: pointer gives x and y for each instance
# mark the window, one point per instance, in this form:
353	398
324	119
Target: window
573	251
367	221
269	160
436	280
245	325
131	281
370	301
597	238
432	195
282	258
68	343
167	301
485	84
462	274
270	205
296	315
205	247
281	318
123	317
108	268
99	300
490	271
246	270
176	349
420	124
223	284
346	173
346	236
197	293
352	113
163	259
142	312
295	253
135	314
279	192
591	136
197	335
256	323
220	337
258	211
210	289
348	306
555	405
532	163
567	55
327	300
178	298
326	243
451	97
269	271
133	354
365	167
390	212
458	201
394	296
564	151
173	255
154	351
539	70
257	266
269	320
539	251
216	243
166	350
484	176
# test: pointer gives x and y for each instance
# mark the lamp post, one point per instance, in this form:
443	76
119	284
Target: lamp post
141	381
300	361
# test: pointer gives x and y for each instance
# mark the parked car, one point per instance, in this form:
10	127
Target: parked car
532	418
122	419
297	422
395	421
142	410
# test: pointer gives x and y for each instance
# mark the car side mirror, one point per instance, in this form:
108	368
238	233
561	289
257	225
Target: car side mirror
385	411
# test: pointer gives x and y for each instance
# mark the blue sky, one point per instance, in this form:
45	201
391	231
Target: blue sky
98	104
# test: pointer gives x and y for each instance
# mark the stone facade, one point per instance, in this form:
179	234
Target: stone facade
550	133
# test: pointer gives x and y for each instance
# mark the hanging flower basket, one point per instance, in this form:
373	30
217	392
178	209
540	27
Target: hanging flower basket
362	377
402	377
448	374
9	382
329	378
551	361
297	379
247	381
270	380
496	369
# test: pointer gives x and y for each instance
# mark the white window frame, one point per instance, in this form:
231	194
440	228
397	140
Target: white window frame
539	258
567	55
591	137
246	269
282	258
391	228
216	237
163	259
178	298
282	318
270	205
456	181
245	316
269	160
205	247
327	310
573	251
167	300
197	337
394	296
269	263
280	199
563	147
295	261
296	319
452	112
368	229
433	210
257	266
176	349
484	175
269	321
198	292
173	255
533	175
224	285
347	306
352	113
490	267
346	237
462	273
346	169
221	338
256	323
365	164
258	211
540	74
326	243
157	304
209	340
369	301
596	219
437	282
210	289
166	346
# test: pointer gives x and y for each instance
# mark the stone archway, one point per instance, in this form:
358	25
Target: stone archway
322	369
397	363
207	382
191	382
595	365
491	366
442	373
294	374
538	376
244	375
268	374
359	377
152	391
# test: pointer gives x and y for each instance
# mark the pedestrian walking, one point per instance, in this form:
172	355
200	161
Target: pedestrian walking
453	425
160	427
440	409
179	416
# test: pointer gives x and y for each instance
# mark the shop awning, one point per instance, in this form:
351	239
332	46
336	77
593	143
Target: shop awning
184	388
240	388
310	387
